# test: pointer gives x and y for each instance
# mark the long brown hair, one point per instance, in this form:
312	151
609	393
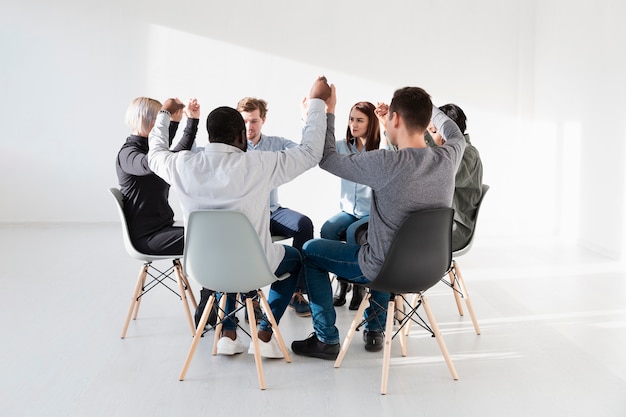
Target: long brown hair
372	136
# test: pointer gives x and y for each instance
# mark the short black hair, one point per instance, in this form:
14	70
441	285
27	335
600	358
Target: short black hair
224	125
455	113
413	104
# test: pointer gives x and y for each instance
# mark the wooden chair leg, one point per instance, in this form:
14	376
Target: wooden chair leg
407	327
455	287
220	317
355	323
140	293
191	297
468	302
178	269
402	333
197	336
275	329
135	299
255	340
442	345
387	347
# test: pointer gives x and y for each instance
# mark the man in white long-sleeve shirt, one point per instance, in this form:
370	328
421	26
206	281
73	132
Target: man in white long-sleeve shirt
224	176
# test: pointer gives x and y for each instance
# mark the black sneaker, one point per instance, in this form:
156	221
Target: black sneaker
258	313
204	298
315	349
374	340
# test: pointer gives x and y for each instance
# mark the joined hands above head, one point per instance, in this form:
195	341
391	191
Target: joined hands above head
381	112
192	110
173	105
322	90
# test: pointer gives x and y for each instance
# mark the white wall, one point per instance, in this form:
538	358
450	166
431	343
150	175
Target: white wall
579	87
540	81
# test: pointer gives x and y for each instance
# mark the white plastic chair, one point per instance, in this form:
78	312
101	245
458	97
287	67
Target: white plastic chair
223	252
148	269
456	281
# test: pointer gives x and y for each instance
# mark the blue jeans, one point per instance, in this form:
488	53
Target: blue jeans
322	256
290	223
342	226
280	291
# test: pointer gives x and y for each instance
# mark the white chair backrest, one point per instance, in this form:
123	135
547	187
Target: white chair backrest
128	244
223	252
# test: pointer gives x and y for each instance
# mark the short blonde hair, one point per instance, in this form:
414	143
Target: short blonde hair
141	115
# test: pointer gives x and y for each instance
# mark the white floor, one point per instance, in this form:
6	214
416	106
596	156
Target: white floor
553	341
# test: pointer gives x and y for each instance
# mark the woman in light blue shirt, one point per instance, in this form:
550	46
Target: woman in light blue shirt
362	135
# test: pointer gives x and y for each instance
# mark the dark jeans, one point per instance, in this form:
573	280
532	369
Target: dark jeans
290	223
322	256
280	291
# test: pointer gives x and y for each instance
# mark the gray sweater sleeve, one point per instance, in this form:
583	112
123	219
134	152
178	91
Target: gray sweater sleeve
455	141
377	168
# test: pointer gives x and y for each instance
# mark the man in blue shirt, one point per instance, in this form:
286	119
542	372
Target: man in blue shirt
283	221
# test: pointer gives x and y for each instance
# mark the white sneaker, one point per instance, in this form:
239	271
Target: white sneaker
268	349
228	346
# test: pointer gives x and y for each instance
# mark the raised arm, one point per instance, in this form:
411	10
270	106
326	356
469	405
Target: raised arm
455	141
160	159
192	111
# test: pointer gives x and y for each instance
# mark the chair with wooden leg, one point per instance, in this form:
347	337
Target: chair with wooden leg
453	277
456	281
223	252
157	276
419	256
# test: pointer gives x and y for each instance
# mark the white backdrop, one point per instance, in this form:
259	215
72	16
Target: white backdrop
542	84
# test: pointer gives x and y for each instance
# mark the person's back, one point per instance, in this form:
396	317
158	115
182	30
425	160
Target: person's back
467	195
415	177
224	176
146	195
402	182
468	180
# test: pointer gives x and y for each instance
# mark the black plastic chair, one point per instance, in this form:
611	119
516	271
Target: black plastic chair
420	254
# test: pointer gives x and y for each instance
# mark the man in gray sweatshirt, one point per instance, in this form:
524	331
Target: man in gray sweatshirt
416	177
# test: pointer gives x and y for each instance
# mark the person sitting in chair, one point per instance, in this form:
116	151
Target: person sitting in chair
467	182
224	176
416	177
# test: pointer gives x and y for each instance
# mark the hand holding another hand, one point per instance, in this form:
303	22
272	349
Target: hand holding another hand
381	112
173	105
331	102
192	111
320	89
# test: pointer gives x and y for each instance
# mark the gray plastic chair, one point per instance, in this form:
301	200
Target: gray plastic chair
157	276
223	252
419	256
